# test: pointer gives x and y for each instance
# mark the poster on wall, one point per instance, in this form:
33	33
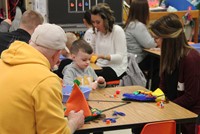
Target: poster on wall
69	13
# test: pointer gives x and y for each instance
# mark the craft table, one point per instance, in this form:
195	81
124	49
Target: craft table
137	113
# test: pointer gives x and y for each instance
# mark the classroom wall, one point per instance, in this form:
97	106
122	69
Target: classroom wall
69	13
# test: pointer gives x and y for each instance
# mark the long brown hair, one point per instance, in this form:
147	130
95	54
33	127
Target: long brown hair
104	10
139	10
174	43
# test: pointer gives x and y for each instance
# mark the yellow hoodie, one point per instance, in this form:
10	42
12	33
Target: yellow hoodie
30	94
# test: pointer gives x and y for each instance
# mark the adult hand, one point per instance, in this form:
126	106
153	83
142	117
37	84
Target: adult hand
76	120
106	57
8	21
101	56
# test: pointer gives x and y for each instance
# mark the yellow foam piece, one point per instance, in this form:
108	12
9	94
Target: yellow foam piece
160	96
93	58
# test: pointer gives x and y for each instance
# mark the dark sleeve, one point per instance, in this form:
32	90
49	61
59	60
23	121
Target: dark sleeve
63	63
161	85
190	76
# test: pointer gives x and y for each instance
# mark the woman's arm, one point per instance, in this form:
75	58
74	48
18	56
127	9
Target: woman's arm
143	36
120	47
189	76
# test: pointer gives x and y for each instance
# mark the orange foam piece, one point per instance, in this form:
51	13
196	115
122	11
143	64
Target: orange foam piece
77	102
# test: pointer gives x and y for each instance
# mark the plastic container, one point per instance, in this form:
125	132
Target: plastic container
66	91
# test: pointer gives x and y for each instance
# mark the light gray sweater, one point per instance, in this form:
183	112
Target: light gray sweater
71	72
138	38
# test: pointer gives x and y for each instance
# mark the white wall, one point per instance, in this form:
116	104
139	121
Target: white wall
41	7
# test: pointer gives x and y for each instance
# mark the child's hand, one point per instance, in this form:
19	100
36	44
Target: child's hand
100	80
99	83
94	85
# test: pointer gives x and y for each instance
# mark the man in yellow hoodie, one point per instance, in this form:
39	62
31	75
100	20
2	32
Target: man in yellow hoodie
30	94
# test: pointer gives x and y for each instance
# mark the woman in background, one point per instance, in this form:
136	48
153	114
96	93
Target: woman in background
109	44
137	34
179	66
139	38
89	33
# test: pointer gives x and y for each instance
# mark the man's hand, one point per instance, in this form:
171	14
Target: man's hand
8	21
76	120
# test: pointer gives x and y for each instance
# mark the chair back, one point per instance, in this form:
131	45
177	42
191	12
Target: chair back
165	127
197	131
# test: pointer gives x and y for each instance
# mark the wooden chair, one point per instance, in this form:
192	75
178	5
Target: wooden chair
165	127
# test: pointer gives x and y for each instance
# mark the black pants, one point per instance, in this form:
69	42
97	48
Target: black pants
137	130
151	65
108	74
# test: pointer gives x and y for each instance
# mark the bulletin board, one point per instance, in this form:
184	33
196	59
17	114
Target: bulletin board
69	13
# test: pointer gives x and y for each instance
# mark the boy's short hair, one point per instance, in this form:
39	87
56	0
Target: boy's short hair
31	19
82	45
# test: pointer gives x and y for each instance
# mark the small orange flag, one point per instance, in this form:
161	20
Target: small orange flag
77	102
